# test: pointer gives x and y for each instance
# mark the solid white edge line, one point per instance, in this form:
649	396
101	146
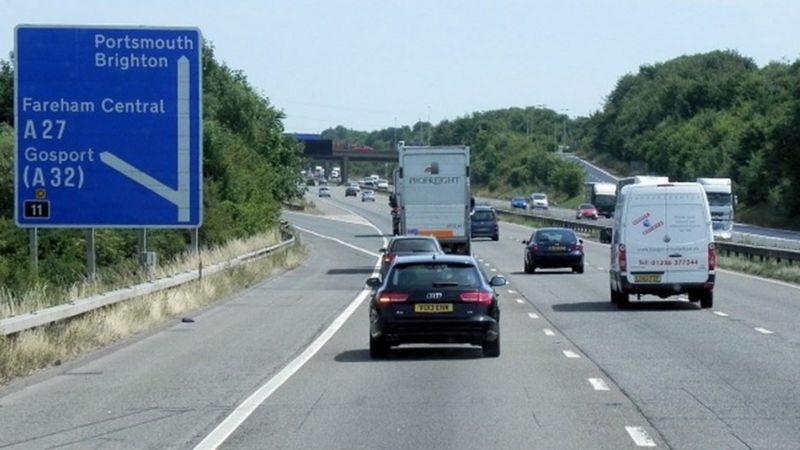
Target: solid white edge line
235	419
549	332
346	244
533	315
764	330
720	313
640	436
249	405
570	354
599	384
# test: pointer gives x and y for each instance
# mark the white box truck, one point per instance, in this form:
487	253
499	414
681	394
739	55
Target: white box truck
721	202
662	243
433	194
603	196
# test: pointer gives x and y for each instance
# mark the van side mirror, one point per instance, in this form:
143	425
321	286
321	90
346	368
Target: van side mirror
606	234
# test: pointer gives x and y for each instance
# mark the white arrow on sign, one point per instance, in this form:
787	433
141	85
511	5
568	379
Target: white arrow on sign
179	197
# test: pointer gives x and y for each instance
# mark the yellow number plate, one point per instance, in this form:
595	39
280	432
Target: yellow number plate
433	307
647	278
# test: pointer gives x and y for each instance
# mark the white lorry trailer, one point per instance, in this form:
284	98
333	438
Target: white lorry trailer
433	194
721	202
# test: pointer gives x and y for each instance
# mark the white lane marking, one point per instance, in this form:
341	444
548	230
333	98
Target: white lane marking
480	260
520	301
598	384
511	291
600	268
493	269
346	218
640	437
237	417
764	330
570	354
549	332
486	264
346	244
782	283
533	315
720	313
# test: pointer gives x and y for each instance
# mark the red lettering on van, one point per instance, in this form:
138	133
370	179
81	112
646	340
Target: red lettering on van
639	219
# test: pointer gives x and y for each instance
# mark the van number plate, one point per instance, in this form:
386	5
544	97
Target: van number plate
648	278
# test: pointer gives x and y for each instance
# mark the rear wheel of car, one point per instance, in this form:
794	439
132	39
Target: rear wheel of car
529	268
578	269
694	297
491	349
707	299
378	348
618	298
496	237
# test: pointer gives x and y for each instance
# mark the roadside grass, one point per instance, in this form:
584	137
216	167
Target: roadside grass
27	351
768	269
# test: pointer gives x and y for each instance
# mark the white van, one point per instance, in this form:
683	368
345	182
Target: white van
662	243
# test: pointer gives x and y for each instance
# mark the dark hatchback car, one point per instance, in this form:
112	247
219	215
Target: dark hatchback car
553	248
351	192
434	299
408	245
483	223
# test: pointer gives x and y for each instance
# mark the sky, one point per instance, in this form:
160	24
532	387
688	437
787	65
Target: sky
368	65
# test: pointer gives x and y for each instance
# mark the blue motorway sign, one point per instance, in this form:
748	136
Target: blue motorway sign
108	127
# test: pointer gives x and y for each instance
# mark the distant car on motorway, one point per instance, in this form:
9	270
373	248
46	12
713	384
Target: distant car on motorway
383	185
586	210
324	191
408	245
350	191
519	202
367	196
539	201
553	248
434	299
483	223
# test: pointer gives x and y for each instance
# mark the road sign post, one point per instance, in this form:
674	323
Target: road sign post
108	127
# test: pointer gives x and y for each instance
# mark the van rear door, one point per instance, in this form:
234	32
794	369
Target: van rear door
688	235
645	222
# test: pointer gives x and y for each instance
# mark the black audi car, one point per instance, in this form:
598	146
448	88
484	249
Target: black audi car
434	299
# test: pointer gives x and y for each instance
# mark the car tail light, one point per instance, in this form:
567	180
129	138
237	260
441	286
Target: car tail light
535	248
484	298
622	257
578	247
712	257
389	257
392	297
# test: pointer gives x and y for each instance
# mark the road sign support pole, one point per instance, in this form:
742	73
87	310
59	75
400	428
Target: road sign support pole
34	248
91	260
194	240
141	247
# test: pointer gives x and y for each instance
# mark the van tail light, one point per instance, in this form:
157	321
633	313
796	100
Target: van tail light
622	258
391	297
483	298
712	257
388	258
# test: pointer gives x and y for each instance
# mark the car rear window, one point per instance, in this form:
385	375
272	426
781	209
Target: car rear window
560	236
426	275
414	245
483	215
586	206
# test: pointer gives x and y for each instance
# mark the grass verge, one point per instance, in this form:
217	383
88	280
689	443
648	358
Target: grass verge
34	349
768	269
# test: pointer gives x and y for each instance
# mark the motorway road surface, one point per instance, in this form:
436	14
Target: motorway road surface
574	371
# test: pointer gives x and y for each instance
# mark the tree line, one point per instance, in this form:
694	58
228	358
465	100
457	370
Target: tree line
249	169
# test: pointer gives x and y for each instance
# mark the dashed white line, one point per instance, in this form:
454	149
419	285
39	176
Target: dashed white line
549	332
520	301
533	315
570	354
720	313
763	330
511	291
493	269
486	264
598	384
640	437
481	260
